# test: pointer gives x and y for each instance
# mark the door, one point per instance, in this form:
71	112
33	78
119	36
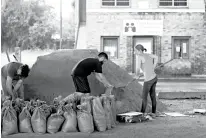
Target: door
147	42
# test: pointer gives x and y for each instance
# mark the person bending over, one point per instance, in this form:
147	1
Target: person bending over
12	76
84	68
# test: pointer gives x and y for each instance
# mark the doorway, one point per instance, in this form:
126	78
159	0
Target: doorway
147	42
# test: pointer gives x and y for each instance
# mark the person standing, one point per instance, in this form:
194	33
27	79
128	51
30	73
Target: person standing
12	76
147	62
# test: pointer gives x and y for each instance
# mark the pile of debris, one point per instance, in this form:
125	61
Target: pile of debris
50	76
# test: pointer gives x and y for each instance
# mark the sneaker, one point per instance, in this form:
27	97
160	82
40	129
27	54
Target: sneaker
152	115
159	114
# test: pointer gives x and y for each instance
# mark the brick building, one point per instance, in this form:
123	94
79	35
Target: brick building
171	29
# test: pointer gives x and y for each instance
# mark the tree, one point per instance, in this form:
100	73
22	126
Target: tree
26	24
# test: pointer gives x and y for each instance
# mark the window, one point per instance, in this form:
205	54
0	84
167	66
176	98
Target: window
113	3
110	46
181	47
173	3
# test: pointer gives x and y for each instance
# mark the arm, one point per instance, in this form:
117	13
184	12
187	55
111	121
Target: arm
102	79
138	66
17	86
155	60
9	86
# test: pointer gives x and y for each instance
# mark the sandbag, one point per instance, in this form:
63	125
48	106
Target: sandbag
70	123
57	102
113	111
85	120
99	114
38	121
74	98
25	121
4	105
86	100
4	99
107	108
54	123
47	109
18	105
9	124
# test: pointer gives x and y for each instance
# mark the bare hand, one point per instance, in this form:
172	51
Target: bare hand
15	95
109	90
110	86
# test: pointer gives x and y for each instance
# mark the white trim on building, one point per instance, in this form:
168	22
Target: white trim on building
106	10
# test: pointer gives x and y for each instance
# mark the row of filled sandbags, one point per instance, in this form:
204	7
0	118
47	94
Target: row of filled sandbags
76	112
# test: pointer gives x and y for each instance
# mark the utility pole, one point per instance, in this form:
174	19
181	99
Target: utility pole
60	44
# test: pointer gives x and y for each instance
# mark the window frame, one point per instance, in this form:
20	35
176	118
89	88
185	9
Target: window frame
102	45
174	48
115	5
173	6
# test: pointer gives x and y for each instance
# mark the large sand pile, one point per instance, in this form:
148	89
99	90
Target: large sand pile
50	77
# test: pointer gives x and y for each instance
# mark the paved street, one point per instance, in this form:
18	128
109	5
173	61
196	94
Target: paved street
180	86
167	127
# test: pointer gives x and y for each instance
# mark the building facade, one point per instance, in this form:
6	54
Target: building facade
170	29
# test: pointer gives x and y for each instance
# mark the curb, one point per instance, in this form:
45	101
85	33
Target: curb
179	79
182	95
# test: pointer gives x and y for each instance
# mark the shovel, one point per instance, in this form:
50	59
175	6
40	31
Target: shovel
124	86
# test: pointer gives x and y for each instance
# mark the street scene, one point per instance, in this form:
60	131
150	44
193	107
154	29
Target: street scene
103	68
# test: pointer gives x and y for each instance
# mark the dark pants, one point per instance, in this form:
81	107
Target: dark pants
149	87
81	84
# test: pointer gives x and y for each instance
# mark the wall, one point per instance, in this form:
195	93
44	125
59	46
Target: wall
175	24
152	4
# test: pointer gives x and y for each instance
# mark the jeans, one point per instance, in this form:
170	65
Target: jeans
149	87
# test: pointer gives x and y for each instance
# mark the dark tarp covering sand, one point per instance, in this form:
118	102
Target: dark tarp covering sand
50	77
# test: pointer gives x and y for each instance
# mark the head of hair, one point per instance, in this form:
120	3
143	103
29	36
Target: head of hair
103	54
140	47
25	71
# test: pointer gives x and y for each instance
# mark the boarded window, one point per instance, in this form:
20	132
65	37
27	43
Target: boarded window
110	46
108	2
115	3
181	47
173	3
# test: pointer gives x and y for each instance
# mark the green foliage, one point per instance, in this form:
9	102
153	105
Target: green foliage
26	24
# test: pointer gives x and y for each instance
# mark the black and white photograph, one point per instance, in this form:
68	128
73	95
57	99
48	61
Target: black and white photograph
103	68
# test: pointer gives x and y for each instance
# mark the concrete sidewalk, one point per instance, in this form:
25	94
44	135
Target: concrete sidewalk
181	88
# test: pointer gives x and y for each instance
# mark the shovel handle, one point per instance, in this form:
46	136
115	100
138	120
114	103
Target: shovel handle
163	63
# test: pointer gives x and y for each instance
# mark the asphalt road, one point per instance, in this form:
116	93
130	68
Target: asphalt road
162	127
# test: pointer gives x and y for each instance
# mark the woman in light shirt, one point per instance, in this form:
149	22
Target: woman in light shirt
147	62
